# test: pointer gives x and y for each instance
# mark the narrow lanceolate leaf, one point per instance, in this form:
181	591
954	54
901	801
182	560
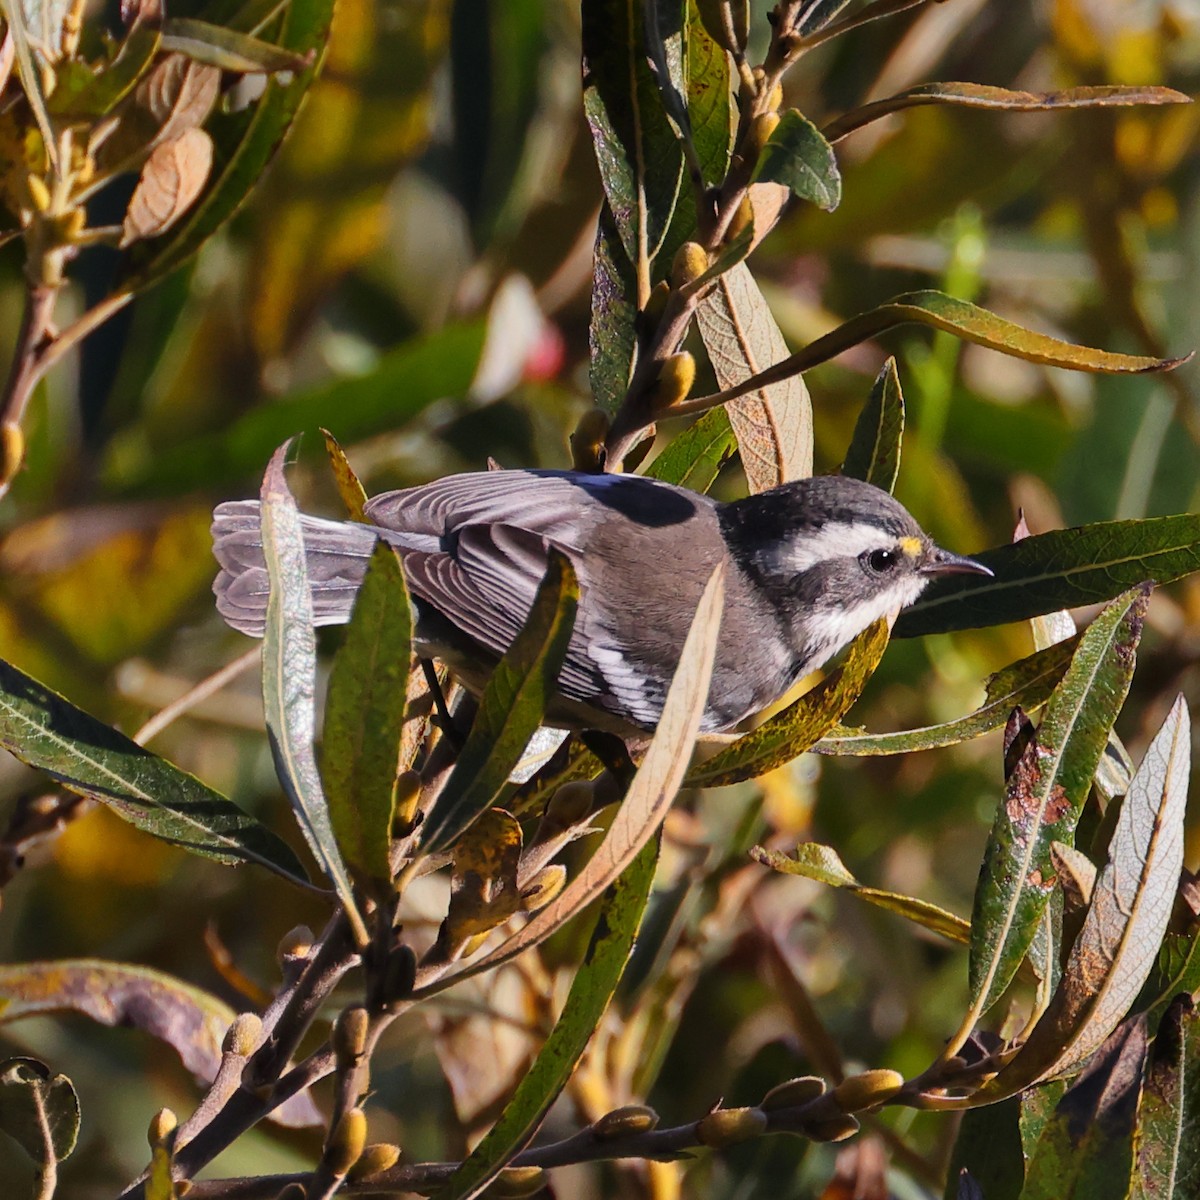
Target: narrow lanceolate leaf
774	424
1047	786
695	458
801	725
510	709
1167	1162
364	717
228	50
1131	905
243	148
637	149
649	797
289	677
1026	684
1068	568
964	320
710	107
874	451
1085	1151
1176	970
979	95
800	158
611	336
46	731
350	488
822	863
38	1110
617	924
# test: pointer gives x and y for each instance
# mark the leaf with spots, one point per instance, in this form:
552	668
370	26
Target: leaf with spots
1126	920
1049	772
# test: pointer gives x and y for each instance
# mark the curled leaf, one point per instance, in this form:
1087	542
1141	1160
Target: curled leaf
172	179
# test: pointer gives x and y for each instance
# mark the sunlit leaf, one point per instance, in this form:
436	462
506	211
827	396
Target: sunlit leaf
802	724
874	451
978	95
1068	568
645	805
1026	684
289	678
93	759
172	178
510	709
1131	905
483	882
39	1111
797	156
1167	1162
364	717
822	863
774	425
611	334
695	458
617	925
350	488
1048	781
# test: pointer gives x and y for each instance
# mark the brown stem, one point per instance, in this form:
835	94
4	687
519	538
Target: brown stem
24	373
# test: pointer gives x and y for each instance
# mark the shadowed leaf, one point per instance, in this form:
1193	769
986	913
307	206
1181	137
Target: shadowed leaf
774	425
1026	684
289	678
801	725
1047	782
91	758
1065	569
483	883
510	709
874	451
978	95
797	156
39	1111
611	334
227	49
695	458
364	716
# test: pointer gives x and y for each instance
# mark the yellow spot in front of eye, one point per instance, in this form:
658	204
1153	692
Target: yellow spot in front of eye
911	546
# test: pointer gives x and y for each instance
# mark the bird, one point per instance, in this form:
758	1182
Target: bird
809	565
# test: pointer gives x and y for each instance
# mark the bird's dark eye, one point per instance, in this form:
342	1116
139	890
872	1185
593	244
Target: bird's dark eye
881	561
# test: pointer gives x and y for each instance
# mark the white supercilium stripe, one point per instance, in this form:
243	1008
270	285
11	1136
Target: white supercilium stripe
839	539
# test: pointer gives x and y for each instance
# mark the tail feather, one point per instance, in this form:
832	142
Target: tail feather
336	551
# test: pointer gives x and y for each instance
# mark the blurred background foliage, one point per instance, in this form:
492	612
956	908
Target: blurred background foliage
414	273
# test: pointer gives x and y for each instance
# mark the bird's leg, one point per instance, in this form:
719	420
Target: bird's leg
444	718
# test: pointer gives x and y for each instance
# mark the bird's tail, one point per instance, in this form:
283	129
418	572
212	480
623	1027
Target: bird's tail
337	553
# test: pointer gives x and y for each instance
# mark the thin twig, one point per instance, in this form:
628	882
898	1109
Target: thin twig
195	695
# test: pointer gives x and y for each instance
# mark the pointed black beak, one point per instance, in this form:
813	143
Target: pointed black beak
942	562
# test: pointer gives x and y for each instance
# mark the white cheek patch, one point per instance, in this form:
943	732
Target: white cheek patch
839	539
831	629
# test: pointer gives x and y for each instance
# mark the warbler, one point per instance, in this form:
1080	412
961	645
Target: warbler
809	565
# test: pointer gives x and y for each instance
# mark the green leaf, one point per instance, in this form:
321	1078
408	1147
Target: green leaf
773	426
799	157
229	49
1067	568
86	756
989	1147
100	90
978	95
289	679
822	863
801	725
874	451
695	458
1126	920
404	382
243	149
1047	786
1176	970
29	72
1086	1148
592	989
1026	684
639	154
1167	1155
510	709
710	107
364	714
39	1111
612	336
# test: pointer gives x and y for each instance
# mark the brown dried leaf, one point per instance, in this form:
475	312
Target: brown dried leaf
773	424
179	94
173	177
483	885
